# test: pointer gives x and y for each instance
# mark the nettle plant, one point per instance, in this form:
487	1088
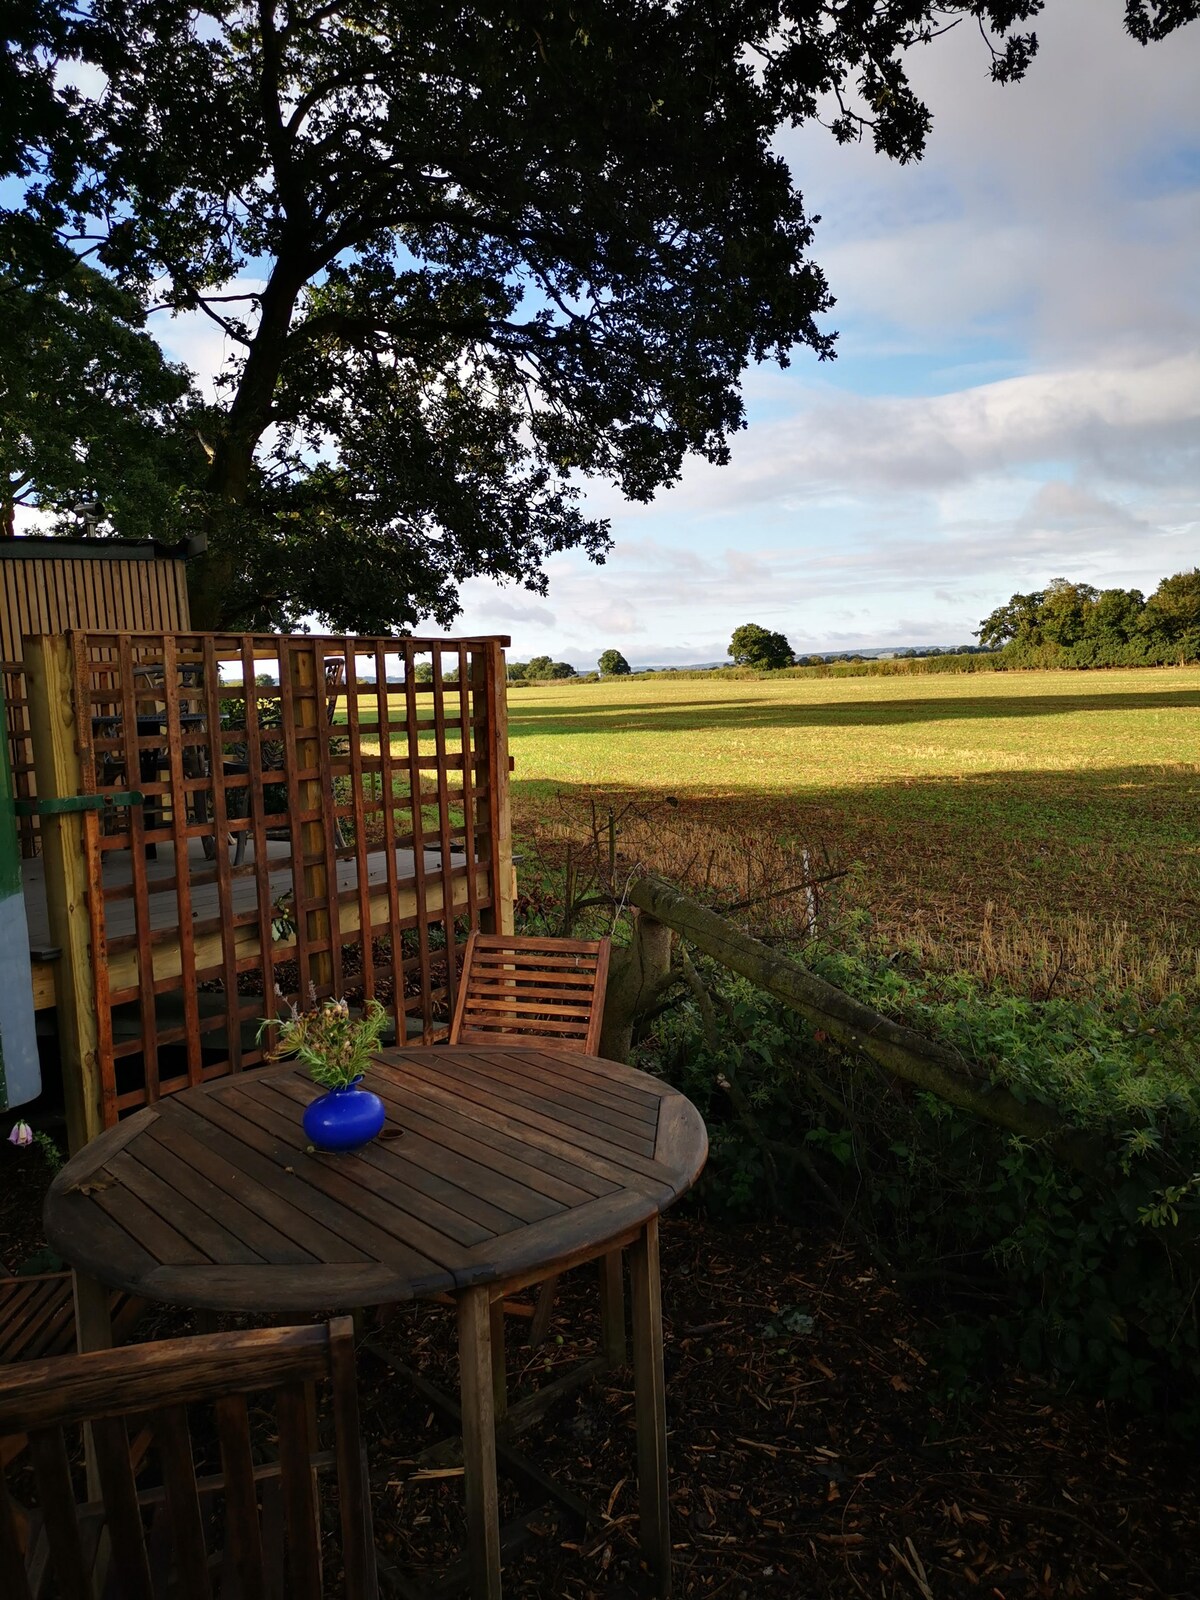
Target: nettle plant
335	1046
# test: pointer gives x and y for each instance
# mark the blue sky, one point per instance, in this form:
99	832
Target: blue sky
1016	396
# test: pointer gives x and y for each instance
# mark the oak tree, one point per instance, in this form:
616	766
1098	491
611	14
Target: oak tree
761	648
90	411
463	257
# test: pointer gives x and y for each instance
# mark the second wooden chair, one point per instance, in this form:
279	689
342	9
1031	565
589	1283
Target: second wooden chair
242	1526
524	988
516	989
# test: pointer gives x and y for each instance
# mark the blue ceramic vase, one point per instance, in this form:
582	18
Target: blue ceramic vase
344	1119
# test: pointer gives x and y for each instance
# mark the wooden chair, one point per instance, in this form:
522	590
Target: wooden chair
241	1527
525	987
37	1319
517	988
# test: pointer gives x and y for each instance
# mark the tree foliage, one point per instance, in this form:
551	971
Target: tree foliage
89	409
1074	624
463	257
754	646
543	667
613	664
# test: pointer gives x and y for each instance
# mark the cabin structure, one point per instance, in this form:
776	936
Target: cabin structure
223	821
50	585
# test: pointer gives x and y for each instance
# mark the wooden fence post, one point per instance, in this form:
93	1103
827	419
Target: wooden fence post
59	775
639	976
931	1065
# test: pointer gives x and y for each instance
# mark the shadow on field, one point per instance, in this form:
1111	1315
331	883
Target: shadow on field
1095	803
1120	844
691	716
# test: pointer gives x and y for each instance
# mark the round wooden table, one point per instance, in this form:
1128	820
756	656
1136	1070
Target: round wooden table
499	1166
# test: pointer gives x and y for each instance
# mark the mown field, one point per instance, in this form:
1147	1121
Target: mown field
1036	828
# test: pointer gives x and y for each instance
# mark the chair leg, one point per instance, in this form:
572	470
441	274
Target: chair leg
539	1325
649	1390
612	1309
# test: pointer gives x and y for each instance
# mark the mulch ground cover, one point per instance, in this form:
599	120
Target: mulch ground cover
810	1454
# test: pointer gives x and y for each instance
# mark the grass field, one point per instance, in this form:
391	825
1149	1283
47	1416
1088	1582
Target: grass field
1030	827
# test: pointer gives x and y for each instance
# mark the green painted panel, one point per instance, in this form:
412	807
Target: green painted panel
10	845
20	1071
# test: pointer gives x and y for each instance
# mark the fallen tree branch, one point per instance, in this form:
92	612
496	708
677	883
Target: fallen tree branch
779	894
902	1050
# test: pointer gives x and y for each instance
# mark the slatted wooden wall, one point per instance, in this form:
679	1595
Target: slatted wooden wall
51	585
322	816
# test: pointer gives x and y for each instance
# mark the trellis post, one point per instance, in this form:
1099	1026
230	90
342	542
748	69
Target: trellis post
315	848
59	773
498	818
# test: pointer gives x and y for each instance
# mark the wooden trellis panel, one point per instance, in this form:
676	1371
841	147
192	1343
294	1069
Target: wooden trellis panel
312	807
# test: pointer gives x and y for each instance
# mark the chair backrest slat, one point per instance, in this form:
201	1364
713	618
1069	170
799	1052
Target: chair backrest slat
299	1504
529	988
243	1532
174	1441
52	1470
109	1383
12	1561
123	1515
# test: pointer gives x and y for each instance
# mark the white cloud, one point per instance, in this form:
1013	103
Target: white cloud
1120	423
1058	206
1018	392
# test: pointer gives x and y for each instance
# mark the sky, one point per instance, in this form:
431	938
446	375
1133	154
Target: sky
1016	395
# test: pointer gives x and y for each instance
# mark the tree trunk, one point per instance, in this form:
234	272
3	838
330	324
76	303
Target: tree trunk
637	978
219	587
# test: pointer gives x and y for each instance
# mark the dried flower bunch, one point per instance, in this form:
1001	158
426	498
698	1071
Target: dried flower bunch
335	1046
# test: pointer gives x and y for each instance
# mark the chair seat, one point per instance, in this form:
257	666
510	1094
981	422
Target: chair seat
37	1317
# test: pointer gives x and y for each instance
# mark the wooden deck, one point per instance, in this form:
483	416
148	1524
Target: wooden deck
120	917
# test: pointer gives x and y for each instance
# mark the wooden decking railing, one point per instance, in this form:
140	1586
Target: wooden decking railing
317	816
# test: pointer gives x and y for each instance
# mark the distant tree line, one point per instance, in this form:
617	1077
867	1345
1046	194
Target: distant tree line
539	668
923	652
612	664
1063	625
1075	625
764	650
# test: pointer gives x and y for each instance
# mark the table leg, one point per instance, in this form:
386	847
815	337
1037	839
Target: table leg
649	1390
479	1442
93	1331
499	1366
93	1323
